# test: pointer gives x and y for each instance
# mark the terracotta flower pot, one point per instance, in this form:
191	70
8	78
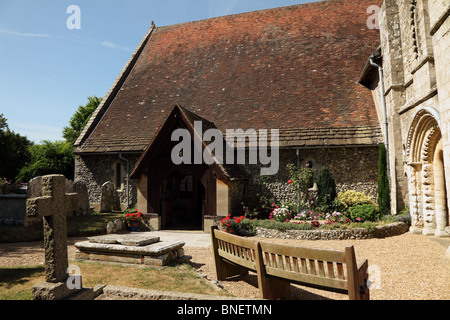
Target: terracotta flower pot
229	229
134	226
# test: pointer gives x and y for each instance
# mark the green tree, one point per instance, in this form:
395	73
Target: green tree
14	152
49	158
384	198
80	119
326	186
3	124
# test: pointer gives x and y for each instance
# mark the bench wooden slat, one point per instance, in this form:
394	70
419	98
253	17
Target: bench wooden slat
321	268
330	270
304	268
340	269
312	267
229	238
233	258
287	264
304	279
278	265
307	253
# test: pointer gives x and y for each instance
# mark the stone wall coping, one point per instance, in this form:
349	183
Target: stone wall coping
388	230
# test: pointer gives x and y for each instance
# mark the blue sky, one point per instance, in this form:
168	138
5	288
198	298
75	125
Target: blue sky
47	70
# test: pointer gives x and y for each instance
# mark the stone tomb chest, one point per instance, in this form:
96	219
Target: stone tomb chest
134	248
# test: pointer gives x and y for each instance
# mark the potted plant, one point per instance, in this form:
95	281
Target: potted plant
229	224
133	217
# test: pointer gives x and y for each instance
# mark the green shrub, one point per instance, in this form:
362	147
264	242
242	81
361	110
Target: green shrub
384	198
362	213
326	189
353	198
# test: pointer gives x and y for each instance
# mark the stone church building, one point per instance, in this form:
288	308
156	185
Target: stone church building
412	96
293	69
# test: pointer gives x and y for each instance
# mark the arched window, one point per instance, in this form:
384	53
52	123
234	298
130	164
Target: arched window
118	175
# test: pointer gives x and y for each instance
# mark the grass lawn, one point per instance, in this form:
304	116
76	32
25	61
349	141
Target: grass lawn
16	283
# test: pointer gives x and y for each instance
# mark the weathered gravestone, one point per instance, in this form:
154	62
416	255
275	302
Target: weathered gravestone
34	190
109	200
52	207
80	188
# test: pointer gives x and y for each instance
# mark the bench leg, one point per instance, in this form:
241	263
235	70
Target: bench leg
363	275
226	270
270	288
273	288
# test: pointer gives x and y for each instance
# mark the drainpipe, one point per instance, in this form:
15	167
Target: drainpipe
128	179
297	151
383	102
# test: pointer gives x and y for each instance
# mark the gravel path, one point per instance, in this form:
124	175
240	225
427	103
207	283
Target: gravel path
406	267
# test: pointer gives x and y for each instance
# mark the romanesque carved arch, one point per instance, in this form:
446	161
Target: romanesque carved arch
426	119
426	190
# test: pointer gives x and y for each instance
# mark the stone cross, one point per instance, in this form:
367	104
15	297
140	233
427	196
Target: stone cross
52	207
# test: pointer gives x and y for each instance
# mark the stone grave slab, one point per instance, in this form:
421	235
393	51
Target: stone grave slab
135	248
133	239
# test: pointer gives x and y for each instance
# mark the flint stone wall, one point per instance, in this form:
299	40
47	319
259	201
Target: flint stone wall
352	168
95	170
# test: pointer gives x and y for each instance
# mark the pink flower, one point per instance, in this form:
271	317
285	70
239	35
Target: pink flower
359	219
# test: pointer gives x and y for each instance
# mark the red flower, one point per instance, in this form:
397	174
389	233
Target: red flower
238	220
290	182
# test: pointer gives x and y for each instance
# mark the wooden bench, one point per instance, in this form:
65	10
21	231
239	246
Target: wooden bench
277	266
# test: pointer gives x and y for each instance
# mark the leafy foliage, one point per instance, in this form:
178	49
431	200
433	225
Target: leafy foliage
326	188
365	212
352	198
14	152
384	198
49	158
301	178
80	119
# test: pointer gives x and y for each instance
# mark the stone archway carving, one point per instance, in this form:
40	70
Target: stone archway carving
427	194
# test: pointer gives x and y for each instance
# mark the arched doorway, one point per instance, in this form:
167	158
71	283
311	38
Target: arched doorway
182	201
427	190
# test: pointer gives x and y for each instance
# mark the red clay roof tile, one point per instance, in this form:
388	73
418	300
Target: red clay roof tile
294	67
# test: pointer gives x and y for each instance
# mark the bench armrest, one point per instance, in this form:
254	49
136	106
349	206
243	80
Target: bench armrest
363	264
363	276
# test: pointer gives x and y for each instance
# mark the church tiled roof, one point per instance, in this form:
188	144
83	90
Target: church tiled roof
292	68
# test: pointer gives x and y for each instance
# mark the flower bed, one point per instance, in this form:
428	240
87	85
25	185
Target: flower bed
381	231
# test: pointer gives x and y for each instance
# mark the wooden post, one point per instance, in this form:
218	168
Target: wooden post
269	287
352	274
224	269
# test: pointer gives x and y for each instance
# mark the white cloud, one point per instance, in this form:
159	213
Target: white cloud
22	34
111	45
106	44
